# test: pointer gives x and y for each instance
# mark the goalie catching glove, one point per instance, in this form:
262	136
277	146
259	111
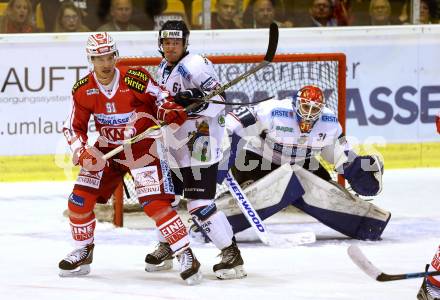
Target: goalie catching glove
187	97
364	174
171	112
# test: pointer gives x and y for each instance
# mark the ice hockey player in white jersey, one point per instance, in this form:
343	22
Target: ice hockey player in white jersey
195	146
276	132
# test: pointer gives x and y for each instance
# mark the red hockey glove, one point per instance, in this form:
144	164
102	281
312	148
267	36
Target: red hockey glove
171	112
89	158
437	122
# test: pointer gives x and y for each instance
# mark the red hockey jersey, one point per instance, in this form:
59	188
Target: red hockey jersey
129	109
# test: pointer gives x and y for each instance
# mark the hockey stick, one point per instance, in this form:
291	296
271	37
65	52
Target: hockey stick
245	206
270	53
371	270
200	100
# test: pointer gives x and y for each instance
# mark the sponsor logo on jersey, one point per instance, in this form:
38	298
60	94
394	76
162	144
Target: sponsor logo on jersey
118	134
90	92
327	118
80	83
76	200
209	84
281	113
115	119
146	181
124	90
184	72
284	128
135	84
138	74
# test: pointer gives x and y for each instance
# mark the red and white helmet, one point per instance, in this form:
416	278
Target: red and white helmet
310	102
101	43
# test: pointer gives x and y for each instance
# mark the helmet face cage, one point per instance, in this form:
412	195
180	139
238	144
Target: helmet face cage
100	44
173	29
309	102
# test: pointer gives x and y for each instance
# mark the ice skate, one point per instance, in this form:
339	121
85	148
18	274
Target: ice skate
77	262
428	291
231	265
189	267
160	259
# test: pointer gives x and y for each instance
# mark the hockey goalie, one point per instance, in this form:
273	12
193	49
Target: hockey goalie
274	149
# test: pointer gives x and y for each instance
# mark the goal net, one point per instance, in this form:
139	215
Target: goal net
281	79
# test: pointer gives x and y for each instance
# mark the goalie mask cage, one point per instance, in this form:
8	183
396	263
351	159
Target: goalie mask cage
281	79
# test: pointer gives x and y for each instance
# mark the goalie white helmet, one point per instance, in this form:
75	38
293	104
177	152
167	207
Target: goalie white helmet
99	44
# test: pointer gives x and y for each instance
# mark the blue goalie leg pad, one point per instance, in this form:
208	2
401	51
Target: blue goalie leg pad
293	191
354	226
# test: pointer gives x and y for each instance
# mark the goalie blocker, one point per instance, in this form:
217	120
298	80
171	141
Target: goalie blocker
327	202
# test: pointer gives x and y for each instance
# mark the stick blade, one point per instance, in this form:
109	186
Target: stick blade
362	262
273	42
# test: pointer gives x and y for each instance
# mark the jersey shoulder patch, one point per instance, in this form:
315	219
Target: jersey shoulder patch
137	79
329	118
83	81
244	115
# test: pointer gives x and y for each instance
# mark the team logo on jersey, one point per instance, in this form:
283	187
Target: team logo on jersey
117	135
135	84
80	83
90	92
184	72
221	120
198	143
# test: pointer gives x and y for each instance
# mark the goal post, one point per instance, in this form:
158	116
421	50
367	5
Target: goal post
281	79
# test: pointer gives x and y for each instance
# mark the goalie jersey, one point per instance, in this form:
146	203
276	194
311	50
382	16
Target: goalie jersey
272	130
198	140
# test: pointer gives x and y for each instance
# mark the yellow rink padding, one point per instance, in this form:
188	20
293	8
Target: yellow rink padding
59	167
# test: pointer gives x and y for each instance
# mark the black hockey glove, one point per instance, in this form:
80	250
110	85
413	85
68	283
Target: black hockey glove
364	175
185	98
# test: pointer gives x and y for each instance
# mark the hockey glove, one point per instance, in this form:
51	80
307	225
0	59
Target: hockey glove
90	159
170	112
185	98
364	175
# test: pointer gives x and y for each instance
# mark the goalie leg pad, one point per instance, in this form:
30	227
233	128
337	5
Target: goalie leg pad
213	222
335	207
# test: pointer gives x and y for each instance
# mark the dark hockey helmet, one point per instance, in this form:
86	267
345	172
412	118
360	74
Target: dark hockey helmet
174	29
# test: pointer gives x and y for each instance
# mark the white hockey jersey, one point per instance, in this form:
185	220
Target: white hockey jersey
272	130
198	140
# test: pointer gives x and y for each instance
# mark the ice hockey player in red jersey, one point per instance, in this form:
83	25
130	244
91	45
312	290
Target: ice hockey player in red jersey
430	289
123	103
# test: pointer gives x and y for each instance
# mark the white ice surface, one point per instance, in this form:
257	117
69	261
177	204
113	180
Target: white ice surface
34	236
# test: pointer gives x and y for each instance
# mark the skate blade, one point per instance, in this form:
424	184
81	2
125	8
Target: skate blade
235	273
194	279
80	271
165	265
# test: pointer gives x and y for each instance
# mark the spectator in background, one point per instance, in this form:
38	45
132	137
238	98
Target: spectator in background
88	8
260	13
320	15
18	18
120	12
69	19
227	15
427	12
380	12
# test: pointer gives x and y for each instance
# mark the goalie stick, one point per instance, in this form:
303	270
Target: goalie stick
270	53
358	257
